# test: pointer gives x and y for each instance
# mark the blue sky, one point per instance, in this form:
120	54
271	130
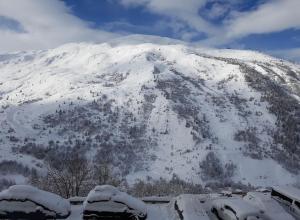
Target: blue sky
271	26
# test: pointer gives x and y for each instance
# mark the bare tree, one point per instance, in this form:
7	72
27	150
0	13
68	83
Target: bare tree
69	178
79	173
102	174
70	173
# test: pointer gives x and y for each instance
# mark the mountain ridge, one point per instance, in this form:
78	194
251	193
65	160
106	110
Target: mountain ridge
155	109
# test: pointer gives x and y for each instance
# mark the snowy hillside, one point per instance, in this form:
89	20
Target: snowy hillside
153	109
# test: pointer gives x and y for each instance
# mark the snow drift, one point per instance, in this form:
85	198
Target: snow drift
26	201
107	200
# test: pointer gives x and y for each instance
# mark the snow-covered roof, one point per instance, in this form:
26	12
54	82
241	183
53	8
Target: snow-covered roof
289	191
226	193
190	207
47	200
112	194
263	190
240	206
269	205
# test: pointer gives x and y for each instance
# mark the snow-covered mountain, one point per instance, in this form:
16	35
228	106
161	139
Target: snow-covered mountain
154	109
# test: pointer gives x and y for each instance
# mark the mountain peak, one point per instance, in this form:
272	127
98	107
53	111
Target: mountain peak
154	109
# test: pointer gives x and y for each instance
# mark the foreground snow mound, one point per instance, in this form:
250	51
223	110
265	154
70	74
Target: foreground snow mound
189	207
271	208
108	201
236	207
25	201
289	191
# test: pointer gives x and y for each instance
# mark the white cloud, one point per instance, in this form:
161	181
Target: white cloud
50	23
46	24
181	11
268	17
218	10
273	16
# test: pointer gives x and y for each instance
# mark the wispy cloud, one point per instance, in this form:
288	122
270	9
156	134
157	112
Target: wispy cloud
273	16
178	11
36	24
289	54
267	17
44	24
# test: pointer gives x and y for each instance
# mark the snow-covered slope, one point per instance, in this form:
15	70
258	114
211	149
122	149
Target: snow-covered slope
154	109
